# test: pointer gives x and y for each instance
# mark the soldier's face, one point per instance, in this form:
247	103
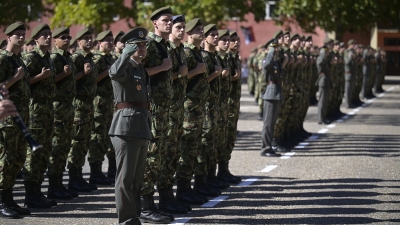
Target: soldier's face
120	45
178	30
234	43
280	39
212	38
141	52
296	42
107	44
17	38
223	43
336	47
62	41
308	44
44	38
286	39
85	42
197	33
302	43
164	23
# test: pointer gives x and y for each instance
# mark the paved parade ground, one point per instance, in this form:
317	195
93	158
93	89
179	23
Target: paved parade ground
346	173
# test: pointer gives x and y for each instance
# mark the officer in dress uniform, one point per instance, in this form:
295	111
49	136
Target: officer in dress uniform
130	128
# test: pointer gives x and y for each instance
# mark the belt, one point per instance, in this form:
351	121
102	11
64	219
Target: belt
125	105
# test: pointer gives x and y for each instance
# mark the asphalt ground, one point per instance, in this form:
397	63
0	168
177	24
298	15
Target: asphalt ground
347	173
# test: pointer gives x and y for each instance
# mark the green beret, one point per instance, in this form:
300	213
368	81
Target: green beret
82	32
158	12
28	41
39	28
209	27
309	38
278	33
286	33
15	26
222	33
103	35
137	34
232	33
351	41
271	43
2	42
61	30
117	35
327	40
294	36
192	24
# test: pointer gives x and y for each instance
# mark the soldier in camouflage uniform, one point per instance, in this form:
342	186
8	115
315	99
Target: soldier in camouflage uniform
73	45
372	73
366	73
158	66
251	80
262	83
379	88
86	85
63	114
15	77
29	45
378	59
103	109
41	113
350	73
359	75
256	71
3	44
176	111
206	160
197	94
233	109
118	45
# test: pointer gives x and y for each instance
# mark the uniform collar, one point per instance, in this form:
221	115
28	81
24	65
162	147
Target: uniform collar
155	37
82	52
39	51
61	51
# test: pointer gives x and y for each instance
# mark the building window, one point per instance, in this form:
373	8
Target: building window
269	10
392	41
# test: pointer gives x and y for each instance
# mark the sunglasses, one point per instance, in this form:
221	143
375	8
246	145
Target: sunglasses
65	37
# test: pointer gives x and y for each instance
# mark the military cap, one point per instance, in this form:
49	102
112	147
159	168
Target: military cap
232	33
286	32
29	40
39	28
82	32
327	40
303	37
309	37
137	34
178	19
192	24
222	33
15	26
120	33
341	44
294	36
209	27
276	34
351	41
2	42
103	35
271	43
61	30
158	12
336	42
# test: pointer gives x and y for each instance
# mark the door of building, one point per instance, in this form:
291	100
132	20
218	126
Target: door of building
393	63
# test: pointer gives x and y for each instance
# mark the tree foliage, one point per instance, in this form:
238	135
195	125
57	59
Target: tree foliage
21	10
338	16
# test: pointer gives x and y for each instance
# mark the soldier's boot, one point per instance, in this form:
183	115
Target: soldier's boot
56	189
75	183
34	198
150	213
225	175
84	182
112	168
6	210
185	194
97	176
168	204
261	115
213	180
8	200
202	188
171	193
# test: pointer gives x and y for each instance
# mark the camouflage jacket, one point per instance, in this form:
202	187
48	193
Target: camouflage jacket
215	84
116	55
87	85
178	59
35	60
198	86
102	60
66	87
225	81
157	51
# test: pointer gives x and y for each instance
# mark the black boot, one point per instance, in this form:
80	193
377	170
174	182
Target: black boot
185	194
202	188
150	213
225	175
6	210
75	183
213	181
84	182
56	189
9	201
112	168
34	197
97	176
168	204
171	193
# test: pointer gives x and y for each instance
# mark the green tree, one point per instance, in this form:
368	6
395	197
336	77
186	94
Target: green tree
21	10
338	16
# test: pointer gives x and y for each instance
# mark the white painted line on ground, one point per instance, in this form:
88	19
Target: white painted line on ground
268	168
351	113
381	95
314	137
214	201
288	155
340	121
345	117
356	110
247	99
304	143
323	131
247	182
390	89
331	125
371	100
181	221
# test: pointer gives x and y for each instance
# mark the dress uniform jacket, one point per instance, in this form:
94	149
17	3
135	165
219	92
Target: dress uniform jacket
324	79
272	73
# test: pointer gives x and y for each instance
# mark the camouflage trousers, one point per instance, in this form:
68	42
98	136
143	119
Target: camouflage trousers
233	115
156	150
100	142
371	81
222	153
207	150
83	123
63	131
191	137
169	161
256	87
262	86
251	82
357	86
41	117
13	147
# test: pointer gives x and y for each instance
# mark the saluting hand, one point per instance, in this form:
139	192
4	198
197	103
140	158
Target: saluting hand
130	49
87	68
